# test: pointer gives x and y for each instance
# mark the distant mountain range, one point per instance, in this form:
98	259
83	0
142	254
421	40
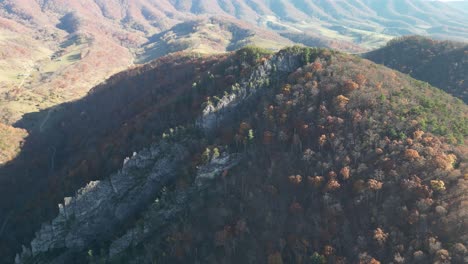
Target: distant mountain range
48	45
55	51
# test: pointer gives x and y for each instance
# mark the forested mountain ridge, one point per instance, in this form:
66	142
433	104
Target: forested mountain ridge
54	42
305	155
443	64
55	51
221	152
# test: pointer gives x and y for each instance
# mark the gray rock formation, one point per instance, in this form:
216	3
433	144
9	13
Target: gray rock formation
101	206
156	217
250	87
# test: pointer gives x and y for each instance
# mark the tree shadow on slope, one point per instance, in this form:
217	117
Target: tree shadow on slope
77	142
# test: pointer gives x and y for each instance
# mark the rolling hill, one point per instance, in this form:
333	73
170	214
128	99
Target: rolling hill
244	157
55	51
443	64
50	43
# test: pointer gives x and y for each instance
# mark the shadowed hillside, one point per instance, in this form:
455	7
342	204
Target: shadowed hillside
71	144
51	43
55	51
443	64
306	155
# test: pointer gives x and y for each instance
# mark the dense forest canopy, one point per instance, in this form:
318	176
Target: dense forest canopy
187	131
302	156
443	64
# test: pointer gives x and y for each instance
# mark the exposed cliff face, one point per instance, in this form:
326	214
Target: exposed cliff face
102	207
268	72
162	212
338	160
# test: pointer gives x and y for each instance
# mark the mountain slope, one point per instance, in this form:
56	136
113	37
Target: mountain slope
56	57
55	51
88	38
209	36
303	155
77	146
443	64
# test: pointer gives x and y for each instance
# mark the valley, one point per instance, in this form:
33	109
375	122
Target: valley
52	44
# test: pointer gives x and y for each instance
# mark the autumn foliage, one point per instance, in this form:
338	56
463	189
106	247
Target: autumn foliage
326	173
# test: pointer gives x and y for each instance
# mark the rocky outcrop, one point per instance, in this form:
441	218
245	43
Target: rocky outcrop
161	213
100	207
250	87
103	207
